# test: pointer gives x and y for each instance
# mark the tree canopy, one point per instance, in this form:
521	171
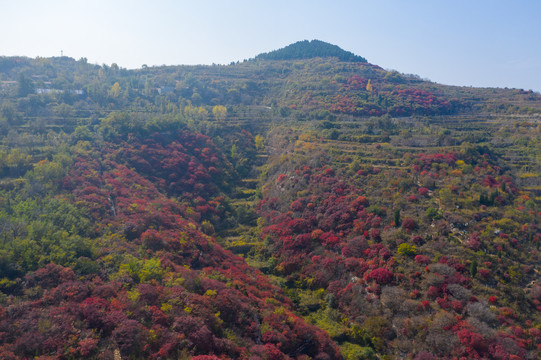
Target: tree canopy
310	49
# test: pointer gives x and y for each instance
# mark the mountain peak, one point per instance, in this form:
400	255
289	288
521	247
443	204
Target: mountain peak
310	49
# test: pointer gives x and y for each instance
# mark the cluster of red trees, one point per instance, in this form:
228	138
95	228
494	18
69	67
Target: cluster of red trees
360	97
332	225
186	163
421	101
162	288
325	233
351	105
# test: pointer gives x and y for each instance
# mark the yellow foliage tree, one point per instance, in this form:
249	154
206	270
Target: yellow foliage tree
369	86
114	92
259	142
219	112
202	113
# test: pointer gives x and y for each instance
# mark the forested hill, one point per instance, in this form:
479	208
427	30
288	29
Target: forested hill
306	206
310	49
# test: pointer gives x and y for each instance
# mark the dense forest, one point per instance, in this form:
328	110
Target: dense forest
303	204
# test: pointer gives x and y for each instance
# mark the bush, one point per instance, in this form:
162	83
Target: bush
356	352
432	214
409	224
406	249
381	276
128	337
421	259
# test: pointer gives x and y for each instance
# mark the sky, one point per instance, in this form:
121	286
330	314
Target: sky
480	43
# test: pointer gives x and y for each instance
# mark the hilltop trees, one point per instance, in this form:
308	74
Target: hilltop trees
310	49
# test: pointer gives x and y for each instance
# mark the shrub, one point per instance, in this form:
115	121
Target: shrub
421	259
409	224
406	249
353	351
474	242
381	276
432	214
128	336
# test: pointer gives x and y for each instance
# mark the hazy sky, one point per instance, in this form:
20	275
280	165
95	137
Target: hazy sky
457	42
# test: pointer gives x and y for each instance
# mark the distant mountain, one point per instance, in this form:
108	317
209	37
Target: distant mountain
311	49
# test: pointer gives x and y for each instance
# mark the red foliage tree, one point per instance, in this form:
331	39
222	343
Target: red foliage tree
380	275
409	224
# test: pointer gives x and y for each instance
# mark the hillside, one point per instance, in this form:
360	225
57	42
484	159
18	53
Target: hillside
304	204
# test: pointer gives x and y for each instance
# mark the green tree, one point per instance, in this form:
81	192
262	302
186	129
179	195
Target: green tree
49	173
396	217
25	86
196	99
18	161
432	214
64	111
12	116
82	133
473	268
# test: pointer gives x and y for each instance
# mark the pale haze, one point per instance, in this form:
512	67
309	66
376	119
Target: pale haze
471	43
